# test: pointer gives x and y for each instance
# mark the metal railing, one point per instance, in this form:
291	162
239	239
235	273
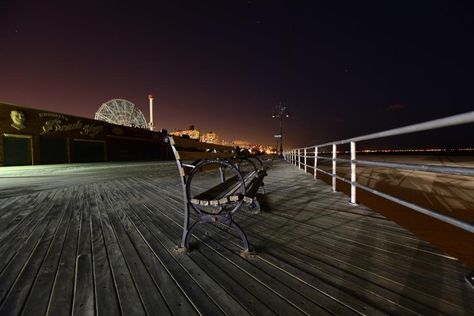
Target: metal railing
299	157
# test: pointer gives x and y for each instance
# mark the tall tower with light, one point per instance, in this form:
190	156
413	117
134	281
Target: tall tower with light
151	124
280	111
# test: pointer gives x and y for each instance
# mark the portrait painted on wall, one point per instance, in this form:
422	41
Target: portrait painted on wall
18	119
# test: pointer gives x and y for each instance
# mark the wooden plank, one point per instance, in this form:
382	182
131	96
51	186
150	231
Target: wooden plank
329	284
321	223
384	231
19	249
222	301
329	238
193	280
355	281
384	267
203	302
22	230
279	296
152	300
309	287
324	199
38	296
14	212
332	254
315	251
177	302
229	274
362	306
231	284
402	242
19	276
83	298
129	298
234	287
62	293
106	297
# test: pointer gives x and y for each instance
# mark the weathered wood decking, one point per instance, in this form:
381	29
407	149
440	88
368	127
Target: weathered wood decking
99	239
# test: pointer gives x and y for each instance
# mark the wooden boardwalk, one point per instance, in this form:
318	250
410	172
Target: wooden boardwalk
100	238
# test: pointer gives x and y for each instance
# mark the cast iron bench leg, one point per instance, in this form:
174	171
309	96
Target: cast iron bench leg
242	235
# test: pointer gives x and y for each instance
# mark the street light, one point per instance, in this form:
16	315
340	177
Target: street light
280	111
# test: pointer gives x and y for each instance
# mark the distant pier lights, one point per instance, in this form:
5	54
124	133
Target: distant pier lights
151	125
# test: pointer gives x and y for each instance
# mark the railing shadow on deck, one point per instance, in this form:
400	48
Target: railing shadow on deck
312	159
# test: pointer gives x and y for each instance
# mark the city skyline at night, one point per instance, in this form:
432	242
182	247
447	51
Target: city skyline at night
343	70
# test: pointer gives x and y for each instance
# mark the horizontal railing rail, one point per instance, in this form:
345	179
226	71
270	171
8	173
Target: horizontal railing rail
299	157
461	171
459	119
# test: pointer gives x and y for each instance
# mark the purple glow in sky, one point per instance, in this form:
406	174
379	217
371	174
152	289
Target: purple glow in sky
343	69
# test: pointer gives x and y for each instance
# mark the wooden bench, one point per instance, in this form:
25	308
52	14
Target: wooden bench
217	182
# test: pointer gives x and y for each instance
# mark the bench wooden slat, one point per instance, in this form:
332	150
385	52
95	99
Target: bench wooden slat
183	143
222	201
217	194
218	191
255	185
195	155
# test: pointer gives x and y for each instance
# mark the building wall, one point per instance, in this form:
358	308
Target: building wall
34	136
192	133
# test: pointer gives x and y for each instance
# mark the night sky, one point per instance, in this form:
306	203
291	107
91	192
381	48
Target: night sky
344	68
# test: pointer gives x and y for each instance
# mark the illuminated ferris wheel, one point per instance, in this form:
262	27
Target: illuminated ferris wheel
121	112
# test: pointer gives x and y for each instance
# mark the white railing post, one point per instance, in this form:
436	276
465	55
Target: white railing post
334	167
294	157
299	158
315	162
305	161
353	173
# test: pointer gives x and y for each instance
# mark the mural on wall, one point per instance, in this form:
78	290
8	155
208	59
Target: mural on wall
57	125
38	136
18	119
60	123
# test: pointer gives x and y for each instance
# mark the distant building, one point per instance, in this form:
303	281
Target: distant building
213	138
191	133
241	143
210	137
34	136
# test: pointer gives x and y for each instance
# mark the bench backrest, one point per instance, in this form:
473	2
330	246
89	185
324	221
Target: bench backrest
189	150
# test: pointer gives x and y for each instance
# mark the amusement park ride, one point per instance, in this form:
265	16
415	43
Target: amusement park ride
124	112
